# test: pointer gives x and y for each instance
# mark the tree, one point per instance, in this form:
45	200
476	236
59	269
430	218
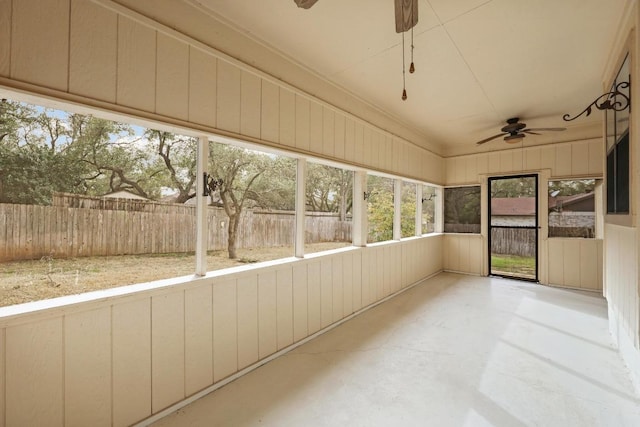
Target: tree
329	189
249	179
380	208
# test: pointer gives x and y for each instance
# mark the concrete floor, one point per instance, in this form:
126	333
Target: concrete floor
453	351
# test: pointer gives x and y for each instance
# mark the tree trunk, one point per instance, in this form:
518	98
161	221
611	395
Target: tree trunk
234	220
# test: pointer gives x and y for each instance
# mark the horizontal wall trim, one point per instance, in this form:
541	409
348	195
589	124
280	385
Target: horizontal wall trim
231	378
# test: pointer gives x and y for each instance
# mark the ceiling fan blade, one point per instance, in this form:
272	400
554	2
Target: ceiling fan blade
546	129
305	4
530	133
490	138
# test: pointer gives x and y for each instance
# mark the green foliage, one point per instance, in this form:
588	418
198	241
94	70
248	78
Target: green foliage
329	189
380	208
462	205
513	187
571	187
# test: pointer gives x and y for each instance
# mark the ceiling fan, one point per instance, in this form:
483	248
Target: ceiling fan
515	131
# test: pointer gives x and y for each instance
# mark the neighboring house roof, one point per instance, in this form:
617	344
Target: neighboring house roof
577	202
123	194
517	206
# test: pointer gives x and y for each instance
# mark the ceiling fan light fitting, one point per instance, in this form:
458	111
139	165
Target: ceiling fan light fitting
512	139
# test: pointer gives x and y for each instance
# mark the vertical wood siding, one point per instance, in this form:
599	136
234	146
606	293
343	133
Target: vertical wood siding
116	56
118	361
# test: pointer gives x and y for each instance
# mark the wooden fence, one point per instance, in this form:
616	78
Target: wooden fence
513	241
33	231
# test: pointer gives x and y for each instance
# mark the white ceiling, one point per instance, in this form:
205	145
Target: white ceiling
478	62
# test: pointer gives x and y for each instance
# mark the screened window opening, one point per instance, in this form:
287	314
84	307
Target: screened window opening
93	203
572	208
428	209
379	208
251	213
462	210
408	210
618	146
328	208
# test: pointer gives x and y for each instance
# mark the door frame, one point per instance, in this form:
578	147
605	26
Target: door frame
535	227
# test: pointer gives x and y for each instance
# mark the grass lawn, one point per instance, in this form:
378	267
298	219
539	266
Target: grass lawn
513	265
33	280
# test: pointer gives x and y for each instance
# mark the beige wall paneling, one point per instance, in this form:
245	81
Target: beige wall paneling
328	132
494	162
459	164
340	135
337	275
388	280
131	348
563	164
600	255
287	117
250	104
571	257
359	143
225	329
167	350
396	269
471	169
87	359
248	336
406	262
326	292
93	51
580	158
315	127
349	140
136	79
34	374
556	261
172	80
518	159
228	102
357	280
5	43
284	296
302	116
532	159
378	270
589	264
596	157
198	338
446	241
548	158
347	283
366	158
300	302
482	164
506	161
464	253
475	254
367	290
40	42
270	114
267	314
450	164
203	83
454	253
395	155
314	298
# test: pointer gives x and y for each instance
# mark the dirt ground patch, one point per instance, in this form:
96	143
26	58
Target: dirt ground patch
24	281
